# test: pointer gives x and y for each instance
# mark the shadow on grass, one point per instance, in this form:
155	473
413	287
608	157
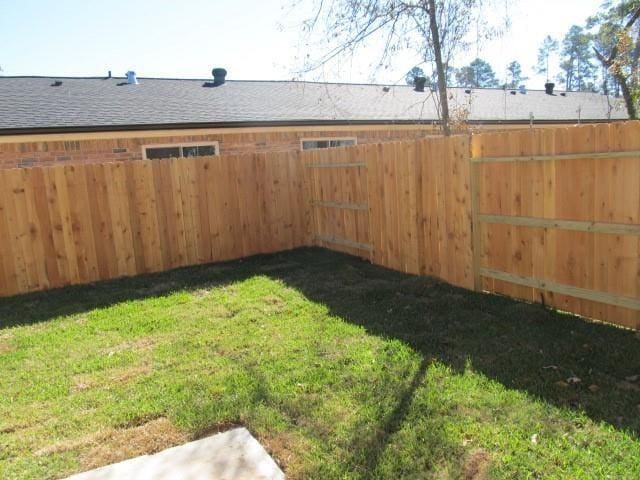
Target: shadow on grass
522	346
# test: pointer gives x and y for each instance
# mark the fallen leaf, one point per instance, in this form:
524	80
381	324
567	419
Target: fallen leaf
594	388
573	380
562	384
550	367
534	438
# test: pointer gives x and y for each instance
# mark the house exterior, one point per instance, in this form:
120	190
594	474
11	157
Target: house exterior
47	120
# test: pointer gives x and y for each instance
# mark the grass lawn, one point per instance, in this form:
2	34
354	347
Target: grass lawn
340	368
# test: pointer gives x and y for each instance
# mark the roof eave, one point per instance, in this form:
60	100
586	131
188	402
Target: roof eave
273	123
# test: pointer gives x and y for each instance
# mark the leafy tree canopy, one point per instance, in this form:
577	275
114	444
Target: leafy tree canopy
478	74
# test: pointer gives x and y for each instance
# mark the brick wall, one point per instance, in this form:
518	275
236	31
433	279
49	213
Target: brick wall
28	150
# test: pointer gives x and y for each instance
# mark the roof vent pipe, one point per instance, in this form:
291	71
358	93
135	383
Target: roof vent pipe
131	78
548	88
419	83
219	76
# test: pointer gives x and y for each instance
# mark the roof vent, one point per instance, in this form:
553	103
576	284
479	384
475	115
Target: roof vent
385	89
131	78
563	94
522	89
468	90
219	76
56	83
419	83
548	88
513	92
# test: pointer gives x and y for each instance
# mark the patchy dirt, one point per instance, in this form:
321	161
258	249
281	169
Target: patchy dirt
14	427
215	428
6	347
143	344
114	445
282	448
119	376
273	304
476	465
131	373
201	292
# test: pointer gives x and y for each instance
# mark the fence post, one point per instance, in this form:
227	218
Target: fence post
476	240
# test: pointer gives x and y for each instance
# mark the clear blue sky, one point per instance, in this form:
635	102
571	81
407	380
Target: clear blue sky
253	39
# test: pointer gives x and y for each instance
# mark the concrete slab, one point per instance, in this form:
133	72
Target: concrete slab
232	455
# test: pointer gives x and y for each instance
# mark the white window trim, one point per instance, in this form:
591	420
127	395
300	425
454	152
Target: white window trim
325	139
180	145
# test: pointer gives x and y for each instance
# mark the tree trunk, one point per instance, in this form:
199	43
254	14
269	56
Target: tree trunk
628	97
440	68
621	81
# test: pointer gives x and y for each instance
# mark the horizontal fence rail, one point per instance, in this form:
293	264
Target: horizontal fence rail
564	156
577	225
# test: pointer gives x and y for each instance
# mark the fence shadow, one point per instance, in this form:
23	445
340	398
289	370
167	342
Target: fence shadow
522	346
42	306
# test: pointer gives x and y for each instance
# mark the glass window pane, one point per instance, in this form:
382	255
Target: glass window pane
204	150
198	150
330	143
163	152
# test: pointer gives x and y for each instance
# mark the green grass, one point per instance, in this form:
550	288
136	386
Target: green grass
340	368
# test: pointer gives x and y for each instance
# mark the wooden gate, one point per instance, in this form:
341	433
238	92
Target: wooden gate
337	188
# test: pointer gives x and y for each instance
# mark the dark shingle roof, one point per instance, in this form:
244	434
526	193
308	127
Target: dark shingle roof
32	102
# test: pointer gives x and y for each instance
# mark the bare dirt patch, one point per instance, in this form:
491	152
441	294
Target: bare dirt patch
6	347
119	376
273	304
476	465
114	445
119	445
143	344
125	375
283	447
215	428
14	427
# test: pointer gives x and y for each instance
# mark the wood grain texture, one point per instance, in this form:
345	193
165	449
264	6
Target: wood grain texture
562	207
75	224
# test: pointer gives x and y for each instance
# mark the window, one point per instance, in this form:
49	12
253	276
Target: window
310	143
153	152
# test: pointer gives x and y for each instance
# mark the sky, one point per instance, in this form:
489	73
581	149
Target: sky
252	39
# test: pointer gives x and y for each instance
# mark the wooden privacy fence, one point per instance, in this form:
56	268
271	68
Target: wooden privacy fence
404	205
547	215
557	217
75	224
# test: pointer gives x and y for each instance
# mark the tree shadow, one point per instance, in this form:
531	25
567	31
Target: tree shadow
522	346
